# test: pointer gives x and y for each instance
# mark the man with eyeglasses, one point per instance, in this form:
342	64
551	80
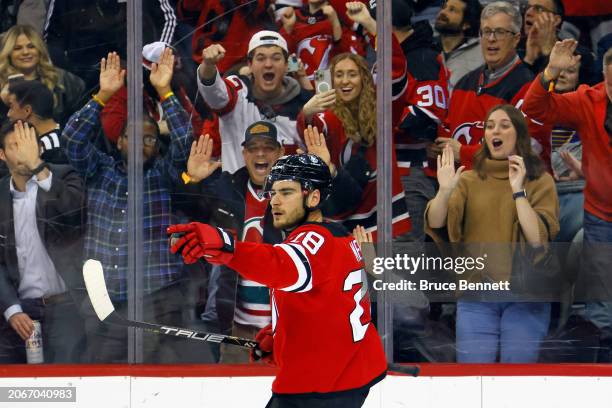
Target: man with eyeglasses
502	79
106	240
542	20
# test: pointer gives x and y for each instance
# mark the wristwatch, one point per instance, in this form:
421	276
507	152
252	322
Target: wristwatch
40	168
519	194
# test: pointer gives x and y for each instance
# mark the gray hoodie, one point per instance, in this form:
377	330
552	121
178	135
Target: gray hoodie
467	57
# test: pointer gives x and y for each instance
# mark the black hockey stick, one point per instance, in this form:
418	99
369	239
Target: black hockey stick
98	294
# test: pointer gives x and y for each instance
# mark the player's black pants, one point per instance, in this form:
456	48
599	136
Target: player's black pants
351	399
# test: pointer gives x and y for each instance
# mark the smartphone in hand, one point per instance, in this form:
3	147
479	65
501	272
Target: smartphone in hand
323	81
293	65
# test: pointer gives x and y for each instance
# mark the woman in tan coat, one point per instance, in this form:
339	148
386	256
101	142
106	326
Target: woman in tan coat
506	198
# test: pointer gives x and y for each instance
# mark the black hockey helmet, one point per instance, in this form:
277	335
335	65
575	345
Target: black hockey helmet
307	169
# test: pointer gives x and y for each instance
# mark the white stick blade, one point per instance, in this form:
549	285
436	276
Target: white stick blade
96	288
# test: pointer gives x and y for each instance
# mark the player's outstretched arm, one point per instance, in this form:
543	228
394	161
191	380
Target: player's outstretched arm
286	266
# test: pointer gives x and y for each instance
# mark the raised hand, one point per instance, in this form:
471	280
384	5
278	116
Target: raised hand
542	37
361	236
199	165
316	144
574	165
547	30
447	176
358	12
319	103
28	149
442	142
112	77
516	173
288	19
212	54
161	73
562	57
532	46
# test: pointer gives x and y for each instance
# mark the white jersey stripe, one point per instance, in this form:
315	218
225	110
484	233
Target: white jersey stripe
297	255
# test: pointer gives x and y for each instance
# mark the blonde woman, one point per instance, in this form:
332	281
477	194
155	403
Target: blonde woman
347	117
24	52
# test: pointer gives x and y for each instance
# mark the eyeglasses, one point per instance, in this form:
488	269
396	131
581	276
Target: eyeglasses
538	9
498	33
149	141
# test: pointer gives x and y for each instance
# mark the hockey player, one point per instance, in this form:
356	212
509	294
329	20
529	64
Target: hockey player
328	352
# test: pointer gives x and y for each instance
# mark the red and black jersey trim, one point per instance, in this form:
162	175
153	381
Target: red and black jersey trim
505	87
398	209
302	266
398	86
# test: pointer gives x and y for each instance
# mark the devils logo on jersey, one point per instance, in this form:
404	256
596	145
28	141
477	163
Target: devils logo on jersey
469	132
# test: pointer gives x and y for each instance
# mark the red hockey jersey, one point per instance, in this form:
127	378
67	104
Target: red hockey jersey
426	102
324	340
312	41
472	100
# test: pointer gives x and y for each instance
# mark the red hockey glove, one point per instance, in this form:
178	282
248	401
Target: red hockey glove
196	240
265	351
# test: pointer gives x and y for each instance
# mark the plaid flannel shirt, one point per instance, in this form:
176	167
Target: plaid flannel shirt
107	189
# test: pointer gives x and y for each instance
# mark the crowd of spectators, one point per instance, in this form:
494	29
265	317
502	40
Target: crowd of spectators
502	133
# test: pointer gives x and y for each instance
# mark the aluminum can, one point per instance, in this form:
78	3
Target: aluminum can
34	345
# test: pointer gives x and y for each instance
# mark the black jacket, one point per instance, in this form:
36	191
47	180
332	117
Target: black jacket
60	214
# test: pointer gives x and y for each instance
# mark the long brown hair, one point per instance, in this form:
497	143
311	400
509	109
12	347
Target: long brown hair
360	128
47	74
533	164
